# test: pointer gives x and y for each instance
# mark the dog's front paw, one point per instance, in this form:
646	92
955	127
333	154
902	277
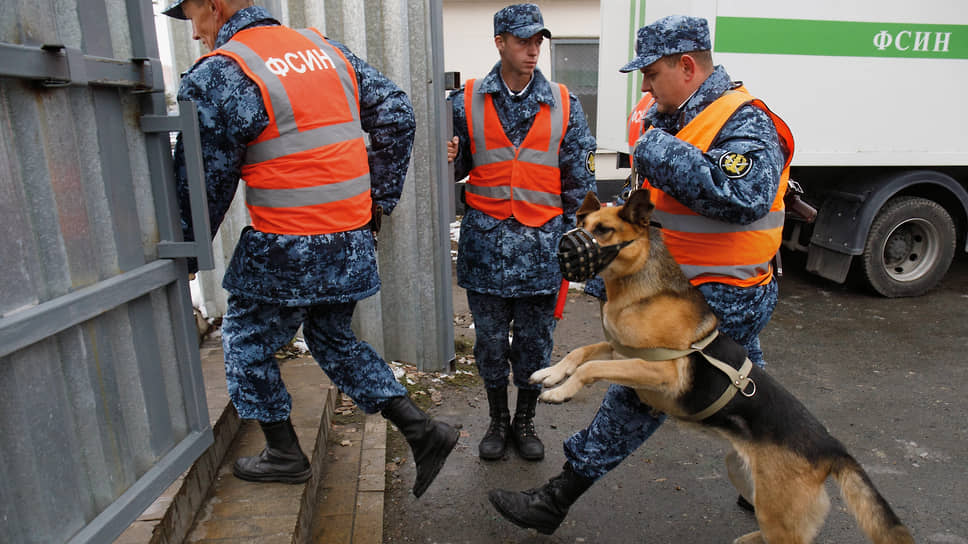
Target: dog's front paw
549	377
560	394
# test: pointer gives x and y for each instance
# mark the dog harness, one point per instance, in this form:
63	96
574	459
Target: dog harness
739	379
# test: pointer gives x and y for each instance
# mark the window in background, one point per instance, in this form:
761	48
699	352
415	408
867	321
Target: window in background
574	62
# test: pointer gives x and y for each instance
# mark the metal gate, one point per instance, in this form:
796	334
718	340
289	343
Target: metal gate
102	404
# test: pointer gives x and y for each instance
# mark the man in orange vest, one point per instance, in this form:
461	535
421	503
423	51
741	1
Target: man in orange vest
716	161
527	148
287	111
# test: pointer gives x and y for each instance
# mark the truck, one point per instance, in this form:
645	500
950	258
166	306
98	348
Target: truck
872	91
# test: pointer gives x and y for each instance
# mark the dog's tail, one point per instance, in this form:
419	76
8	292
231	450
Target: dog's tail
873	514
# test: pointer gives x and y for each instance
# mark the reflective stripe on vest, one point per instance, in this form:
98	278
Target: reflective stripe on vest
709	250
524	182
307	172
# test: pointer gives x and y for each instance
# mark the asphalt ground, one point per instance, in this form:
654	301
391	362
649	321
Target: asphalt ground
885	375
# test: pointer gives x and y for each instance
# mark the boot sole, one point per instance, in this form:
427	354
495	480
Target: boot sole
495	501
439	461
293	478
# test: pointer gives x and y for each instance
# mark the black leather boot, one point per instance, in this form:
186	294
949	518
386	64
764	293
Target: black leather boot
522	428
542	508
495	441
282	460
431	441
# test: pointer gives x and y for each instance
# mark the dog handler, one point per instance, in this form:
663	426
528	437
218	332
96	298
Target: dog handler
530	154
716	161
287	110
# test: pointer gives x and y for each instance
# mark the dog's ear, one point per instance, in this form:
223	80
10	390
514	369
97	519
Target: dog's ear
638	208
589	205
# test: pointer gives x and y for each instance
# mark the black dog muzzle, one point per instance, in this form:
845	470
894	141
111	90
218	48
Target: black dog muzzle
581	257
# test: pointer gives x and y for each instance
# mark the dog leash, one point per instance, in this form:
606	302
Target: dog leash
739	379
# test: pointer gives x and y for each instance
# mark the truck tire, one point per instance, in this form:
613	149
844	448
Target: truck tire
909	247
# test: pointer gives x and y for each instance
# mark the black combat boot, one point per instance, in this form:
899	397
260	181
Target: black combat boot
522	428
495	441
542	508
282	460
430	441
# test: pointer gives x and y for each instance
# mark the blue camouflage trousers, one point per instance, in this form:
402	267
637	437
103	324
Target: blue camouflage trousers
533	324
253	331
623	422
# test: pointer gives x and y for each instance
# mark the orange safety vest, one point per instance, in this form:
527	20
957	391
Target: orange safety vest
521	181
307	172
708	250
635	128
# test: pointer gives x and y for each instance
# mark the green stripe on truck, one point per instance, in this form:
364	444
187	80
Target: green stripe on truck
840	38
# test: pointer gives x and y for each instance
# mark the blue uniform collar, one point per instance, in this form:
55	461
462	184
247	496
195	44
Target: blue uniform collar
243	18
539	89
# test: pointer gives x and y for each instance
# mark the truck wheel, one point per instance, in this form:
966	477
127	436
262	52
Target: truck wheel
909	248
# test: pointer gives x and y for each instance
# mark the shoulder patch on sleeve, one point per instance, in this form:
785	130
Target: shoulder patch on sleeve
735	165
590	162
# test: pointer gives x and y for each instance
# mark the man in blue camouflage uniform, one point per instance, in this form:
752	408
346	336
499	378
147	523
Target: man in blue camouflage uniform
695	179
278	282
510	270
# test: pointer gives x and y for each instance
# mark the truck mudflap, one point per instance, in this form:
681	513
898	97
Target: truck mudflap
835	235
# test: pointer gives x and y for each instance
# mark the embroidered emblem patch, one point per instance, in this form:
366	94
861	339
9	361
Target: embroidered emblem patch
590	162
735	165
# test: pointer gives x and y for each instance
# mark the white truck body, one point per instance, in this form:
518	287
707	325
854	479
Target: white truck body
873	92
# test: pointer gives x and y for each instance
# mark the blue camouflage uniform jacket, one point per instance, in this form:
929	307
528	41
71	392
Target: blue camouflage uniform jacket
504	257
288	269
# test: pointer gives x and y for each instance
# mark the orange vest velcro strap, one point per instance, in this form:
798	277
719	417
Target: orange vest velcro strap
524	181
307	172
709	250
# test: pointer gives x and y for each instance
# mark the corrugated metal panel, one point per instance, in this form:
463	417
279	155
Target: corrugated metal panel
101	402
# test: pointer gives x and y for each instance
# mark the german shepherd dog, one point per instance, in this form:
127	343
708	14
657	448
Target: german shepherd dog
788	452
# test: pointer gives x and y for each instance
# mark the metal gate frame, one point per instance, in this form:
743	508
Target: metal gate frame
55	65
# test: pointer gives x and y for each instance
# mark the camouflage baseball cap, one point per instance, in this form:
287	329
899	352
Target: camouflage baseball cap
175	10
521	20
668	36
